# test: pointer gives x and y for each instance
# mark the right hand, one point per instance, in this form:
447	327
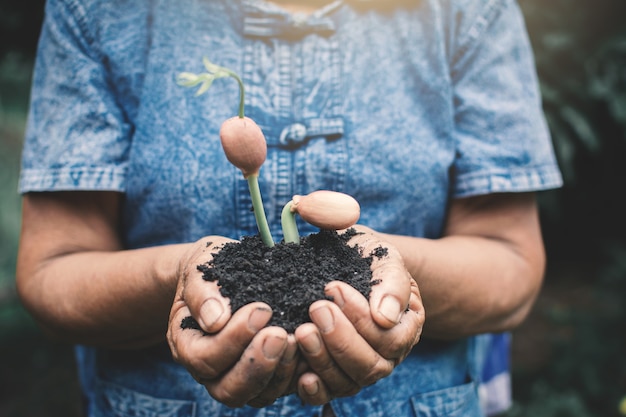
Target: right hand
237	359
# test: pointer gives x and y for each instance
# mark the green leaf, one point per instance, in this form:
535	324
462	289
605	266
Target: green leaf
579	123
211	67
188	79
205	86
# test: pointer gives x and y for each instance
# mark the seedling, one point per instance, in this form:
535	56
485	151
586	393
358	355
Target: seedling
245	147
324	209
242	139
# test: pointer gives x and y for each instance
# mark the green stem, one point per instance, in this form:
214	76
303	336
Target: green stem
288	222
241	91
259	212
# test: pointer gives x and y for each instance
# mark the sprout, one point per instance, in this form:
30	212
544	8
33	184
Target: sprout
324	209
205	79
244	144
245	147
242	139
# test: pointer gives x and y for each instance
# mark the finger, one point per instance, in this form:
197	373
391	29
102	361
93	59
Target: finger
349	350
389	298
337	382
252	373
284	379
390	295
312	390
394	343
207	356
206	304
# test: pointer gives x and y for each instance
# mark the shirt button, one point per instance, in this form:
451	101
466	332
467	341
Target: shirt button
293	134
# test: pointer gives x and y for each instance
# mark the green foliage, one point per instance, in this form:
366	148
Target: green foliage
20	24
580	49
548	402
587	368
13	88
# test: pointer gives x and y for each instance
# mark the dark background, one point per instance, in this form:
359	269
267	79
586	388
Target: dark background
569	357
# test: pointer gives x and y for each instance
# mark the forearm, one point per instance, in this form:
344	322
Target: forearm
111	298
470	284
484	274
79	283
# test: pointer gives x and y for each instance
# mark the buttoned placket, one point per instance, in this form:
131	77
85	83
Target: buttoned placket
276	74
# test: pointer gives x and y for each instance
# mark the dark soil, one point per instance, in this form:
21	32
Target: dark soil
288	277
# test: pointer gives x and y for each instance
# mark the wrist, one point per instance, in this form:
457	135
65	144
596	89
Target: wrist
168	263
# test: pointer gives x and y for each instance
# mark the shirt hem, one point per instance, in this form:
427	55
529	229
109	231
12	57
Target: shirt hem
73	179
504	181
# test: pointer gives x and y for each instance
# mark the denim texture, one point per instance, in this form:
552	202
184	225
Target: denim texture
402	104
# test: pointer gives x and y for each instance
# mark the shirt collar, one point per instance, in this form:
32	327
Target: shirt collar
264	19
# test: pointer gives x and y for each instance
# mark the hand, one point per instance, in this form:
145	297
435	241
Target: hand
352	343
236	358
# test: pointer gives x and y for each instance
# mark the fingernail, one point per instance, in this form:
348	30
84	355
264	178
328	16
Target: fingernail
274	346
311	389
291	353
210	313
337	295
259	318
324	319
389	308
311	344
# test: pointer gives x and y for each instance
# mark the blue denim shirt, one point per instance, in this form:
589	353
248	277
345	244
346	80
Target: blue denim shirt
402	104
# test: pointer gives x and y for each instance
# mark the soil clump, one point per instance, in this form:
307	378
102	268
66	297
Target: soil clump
288	277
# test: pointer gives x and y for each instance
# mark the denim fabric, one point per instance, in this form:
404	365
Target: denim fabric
402	104
495	386
437	379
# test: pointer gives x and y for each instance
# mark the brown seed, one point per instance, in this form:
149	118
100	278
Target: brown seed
244	144
327	209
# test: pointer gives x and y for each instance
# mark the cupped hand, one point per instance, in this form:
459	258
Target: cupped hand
353	342
235	356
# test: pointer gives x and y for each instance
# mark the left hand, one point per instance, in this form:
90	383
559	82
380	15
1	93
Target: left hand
353	342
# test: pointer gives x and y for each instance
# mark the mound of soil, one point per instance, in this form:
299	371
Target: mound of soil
288	277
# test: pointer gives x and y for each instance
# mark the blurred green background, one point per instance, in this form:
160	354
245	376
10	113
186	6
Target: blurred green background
569	357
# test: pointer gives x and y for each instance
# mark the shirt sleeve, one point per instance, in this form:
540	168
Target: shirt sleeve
77	136
502	140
